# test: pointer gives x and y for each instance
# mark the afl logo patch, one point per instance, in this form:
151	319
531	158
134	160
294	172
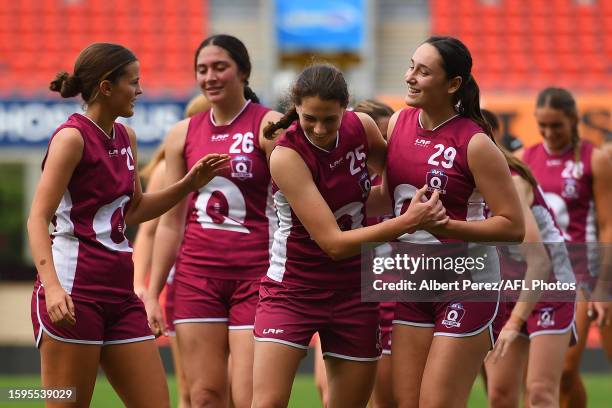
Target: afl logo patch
242	167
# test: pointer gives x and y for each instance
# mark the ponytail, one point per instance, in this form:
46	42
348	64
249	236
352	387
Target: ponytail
521	168
468	104
249	94
67	85
283	123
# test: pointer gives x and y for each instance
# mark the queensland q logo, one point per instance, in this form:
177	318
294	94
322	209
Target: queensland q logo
570	188
436	180
365	183
454	314
547	317
242	167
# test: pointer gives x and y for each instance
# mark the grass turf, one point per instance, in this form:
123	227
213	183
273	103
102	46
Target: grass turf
304	393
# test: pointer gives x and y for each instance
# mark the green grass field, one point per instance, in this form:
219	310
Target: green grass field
599	389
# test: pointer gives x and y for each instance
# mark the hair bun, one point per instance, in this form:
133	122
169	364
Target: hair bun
67	85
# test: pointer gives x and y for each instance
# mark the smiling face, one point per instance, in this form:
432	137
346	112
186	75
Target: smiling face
320	120
218	74
123	93
427	82
555	127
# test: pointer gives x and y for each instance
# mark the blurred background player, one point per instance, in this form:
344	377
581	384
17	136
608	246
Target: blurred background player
382	395
222	234
153	175
535	334
509	142
84	309
435	362
320	167
575	175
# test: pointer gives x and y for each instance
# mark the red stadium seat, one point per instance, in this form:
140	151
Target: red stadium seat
522	46
48	35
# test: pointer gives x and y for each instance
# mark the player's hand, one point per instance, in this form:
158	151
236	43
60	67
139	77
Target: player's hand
427	213
205	170
508	334
59	306
155	316
599	312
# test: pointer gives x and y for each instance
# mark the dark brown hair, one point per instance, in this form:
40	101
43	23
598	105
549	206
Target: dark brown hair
96	63
491	119
238	52
457	62
561	99
322	80
376	109
519	166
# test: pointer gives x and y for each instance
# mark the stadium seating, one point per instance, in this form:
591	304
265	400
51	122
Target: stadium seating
523	46
40	37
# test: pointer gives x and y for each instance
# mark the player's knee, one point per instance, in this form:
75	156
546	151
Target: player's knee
500	397
434	400
542	393
384	403
205	397
406	400
268	401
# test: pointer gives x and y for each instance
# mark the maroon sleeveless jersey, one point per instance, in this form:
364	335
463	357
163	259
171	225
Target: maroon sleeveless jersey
436	158
92	256
514	265
341	175
230	221
568	190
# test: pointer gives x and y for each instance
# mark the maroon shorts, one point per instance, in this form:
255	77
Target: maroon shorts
453	319
212	300
545	318
97	322
169	307
387	311
348	328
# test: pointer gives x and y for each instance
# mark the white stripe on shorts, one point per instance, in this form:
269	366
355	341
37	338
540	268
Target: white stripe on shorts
286	343
351	358
202	320
245	327
415	324
133	340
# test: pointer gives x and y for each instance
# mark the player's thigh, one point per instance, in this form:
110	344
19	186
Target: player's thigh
204	351
136	372
66	364
546	360
274	368
409	349
505	375
382	395
241	344
350	382
451	369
